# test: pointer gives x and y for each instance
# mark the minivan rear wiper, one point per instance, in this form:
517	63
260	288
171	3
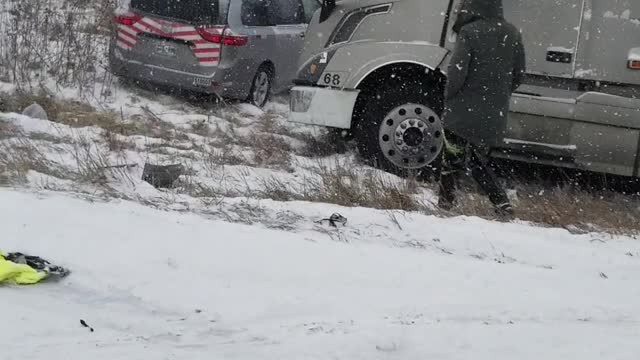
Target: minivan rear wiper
327	9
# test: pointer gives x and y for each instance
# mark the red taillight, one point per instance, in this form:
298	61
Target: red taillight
128	18
213	35
634	64
232	39
219	35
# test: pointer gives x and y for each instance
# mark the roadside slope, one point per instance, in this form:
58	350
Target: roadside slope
164	285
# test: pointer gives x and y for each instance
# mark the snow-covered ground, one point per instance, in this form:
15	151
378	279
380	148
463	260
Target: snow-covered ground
172	285
235	151
231	273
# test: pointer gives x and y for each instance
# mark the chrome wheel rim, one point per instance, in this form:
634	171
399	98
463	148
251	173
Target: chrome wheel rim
411	136
260	88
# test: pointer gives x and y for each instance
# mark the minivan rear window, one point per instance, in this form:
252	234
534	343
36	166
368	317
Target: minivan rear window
192	11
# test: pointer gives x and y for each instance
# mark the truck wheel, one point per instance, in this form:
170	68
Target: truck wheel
399	130
260	87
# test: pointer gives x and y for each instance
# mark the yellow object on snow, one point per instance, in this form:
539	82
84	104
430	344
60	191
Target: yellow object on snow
21	274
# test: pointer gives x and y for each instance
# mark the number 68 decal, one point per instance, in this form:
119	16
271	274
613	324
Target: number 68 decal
332	78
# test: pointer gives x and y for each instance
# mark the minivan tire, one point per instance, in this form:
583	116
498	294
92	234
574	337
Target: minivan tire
372	110
261	87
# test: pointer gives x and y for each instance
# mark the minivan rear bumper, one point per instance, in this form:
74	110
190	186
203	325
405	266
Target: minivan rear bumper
199	82
322	106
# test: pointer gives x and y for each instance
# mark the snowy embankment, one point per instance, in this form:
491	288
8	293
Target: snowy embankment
167	285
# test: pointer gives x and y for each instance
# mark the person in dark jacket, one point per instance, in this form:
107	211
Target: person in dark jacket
487	65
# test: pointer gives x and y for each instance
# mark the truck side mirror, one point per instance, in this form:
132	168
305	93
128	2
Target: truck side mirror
327	9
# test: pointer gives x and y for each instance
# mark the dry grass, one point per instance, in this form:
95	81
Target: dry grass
223	137
563	206
41	136
4	177
346	186
207	194
7	130
218	157
269	123
270	151
92	164
324	143
116	143
318	146
19	155
77	114
201	128
68	112
327	142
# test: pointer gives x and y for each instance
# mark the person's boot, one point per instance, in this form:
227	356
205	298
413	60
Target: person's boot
505	211
444	203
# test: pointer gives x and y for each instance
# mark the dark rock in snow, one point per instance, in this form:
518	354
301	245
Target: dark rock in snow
162	176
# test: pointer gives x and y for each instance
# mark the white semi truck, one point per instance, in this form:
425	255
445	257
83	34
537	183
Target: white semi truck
377	69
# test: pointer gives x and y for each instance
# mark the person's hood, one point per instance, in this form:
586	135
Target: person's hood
471	10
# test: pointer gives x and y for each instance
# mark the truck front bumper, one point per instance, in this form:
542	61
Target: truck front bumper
322	106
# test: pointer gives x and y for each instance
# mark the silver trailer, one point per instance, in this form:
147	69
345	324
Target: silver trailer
579	106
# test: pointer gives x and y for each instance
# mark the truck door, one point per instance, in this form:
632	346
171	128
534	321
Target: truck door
550	31
609	47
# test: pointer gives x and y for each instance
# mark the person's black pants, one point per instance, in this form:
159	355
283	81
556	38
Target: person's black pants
461	157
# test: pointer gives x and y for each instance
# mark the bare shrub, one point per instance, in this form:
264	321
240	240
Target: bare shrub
59	41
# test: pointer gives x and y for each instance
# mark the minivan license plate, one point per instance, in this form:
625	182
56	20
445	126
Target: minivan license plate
166	50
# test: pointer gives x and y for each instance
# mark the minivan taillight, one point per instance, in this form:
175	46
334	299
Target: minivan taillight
634	64
128	18
225	37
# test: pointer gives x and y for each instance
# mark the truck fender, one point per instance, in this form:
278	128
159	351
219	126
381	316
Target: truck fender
360	59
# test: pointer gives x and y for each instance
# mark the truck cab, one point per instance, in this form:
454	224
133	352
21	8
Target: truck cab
378	68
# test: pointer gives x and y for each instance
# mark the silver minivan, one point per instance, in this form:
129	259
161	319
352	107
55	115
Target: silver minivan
237	49
579	106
